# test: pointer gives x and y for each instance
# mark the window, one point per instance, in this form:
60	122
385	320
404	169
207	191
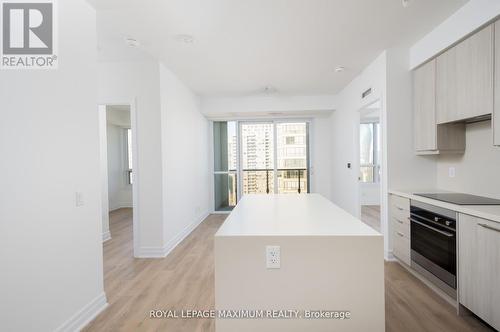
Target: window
130	179
225	162
369	148
263	157
257	152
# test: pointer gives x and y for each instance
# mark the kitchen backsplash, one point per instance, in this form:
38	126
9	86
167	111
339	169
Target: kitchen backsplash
478	170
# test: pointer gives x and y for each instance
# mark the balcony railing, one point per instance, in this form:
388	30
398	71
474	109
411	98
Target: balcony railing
290	180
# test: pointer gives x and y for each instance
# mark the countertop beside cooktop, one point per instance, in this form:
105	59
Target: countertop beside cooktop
489	212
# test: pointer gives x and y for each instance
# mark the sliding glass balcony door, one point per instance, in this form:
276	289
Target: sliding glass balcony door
259	158
274	157
292	157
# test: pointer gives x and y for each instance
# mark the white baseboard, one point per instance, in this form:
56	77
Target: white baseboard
150	252
106	236
85	315
184	233
390	257
161	252
220	212
121	206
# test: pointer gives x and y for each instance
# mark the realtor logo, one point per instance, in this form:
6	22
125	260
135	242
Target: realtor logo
28	35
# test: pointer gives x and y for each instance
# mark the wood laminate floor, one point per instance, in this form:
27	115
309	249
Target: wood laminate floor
370	215
185	280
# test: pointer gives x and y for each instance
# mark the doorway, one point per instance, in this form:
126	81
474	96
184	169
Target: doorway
118	154
370	157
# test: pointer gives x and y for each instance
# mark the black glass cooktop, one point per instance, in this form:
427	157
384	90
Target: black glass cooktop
461	199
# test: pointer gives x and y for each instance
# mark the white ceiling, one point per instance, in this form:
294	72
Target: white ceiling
243	45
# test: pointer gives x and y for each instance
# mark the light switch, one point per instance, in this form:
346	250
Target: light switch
79	199
451	172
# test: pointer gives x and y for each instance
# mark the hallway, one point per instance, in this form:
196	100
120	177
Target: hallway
370	215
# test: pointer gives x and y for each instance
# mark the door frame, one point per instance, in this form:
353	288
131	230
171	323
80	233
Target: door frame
135	162
384	220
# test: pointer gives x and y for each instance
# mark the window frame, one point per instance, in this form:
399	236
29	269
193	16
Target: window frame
239	176
375	166
129	180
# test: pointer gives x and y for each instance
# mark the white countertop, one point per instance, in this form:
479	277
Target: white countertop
490	212
291	215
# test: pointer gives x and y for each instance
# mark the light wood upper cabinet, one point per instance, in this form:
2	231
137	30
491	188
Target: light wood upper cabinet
496	111
424	85
431	138
464	78
479	267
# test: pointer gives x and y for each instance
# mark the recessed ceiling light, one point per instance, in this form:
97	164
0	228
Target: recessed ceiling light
339	69
269	89
188	39
132	42
406	3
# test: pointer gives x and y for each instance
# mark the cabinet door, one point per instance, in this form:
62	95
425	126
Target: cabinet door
446	86
496	111
479	267
464	79
424	87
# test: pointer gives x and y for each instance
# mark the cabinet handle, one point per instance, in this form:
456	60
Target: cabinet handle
399	221
489	227
401	234
399	208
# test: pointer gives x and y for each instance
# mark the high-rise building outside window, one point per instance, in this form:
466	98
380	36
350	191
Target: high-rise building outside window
259	158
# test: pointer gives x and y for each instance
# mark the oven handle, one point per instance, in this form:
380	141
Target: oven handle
432	228
431	221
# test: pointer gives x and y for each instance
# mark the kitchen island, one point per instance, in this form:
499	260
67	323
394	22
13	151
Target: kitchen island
301	255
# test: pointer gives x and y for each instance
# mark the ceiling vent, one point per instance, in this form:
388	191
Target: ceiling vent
132	42
184	38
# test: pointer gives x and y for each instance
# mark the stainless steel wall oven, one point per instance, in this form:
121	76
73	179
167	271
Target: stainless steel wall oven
434	244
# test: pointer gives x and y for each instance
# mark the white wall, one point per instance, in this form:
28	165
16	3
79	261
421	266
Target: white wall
139	82
470	17
51	250
345	132
249	106
119	190
405	169
477	170
321	156
186	169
